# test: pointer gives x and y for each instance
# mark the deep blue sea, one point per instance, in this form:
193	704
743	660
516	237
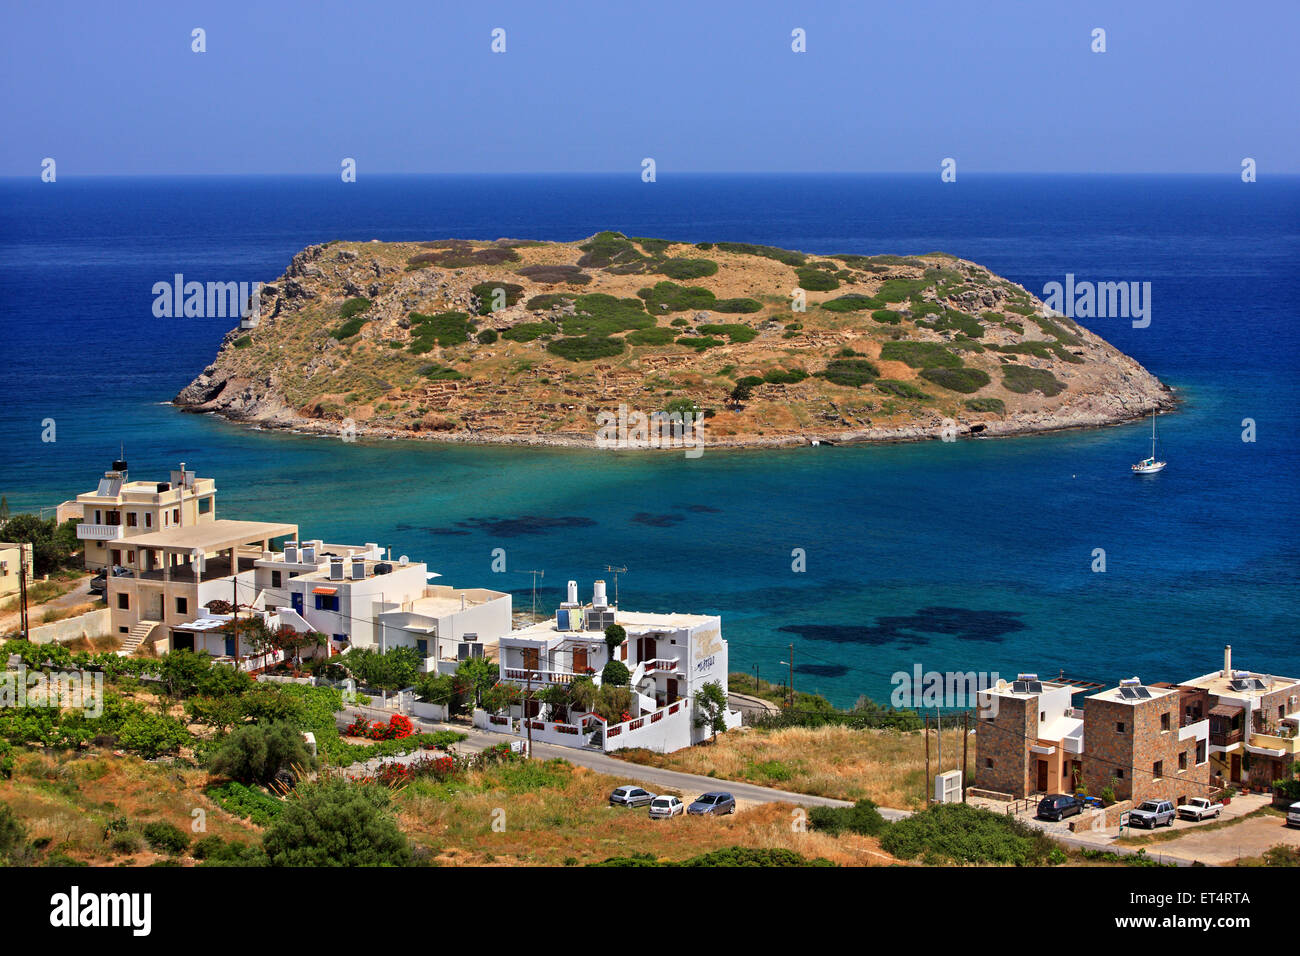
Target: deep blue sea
974	555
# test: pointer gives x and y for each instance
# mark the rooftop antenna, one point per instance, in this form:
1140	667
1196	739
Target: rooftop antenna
616	572
536	575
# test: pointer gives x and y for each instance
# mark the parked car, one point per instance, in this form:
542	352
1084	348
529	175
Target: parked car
99	583
630	796
715	802
1058	806
661	808
1198	808
1151	814
1293	815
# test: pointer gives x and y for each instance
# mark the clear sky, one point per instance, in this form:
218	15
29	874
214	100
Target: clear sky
596	85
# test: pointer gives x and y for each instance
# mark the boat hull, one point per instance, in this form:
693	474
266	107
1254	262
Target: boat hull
1149	469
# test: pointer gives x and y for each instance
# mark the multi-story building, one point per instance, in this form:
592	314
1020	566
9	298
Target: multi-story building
669	658
446	625
120	509
1135	741
15	564
1029	737
1254	722
1140	748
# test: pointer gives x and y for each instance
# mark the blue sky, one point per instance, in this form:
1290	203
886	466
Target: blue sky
407	87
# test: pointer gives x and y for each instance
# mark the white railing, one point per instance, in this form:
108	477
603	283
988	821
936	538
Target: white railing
538	676
99	532
661	664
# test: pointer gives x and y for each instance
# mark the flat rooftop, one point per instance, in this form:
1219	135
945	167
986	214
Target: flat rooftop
1241	684
1133	693
211	535
634	622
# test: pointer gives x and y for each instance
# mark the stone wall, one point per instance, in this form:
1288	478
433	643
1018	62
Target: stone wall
92	624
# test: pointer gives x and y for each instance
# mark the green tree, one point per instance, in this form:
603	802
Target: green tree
711	707
260	752
149	734
335	823
556	696
13	835
615	674
480	674
615	635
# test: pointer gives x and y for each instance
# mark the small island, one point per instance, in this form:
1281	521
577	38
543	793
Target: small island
521	341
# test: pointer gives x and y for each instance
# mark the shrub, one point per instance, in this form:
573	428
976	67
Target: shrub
653	336
615	674
527	331
961	833
788	256
441	373
815	280
862	818
687	268
737	306
899	289
853	372
548	274
243	342
444	328
585	348
258	752
486	337
151	734
993	406
901	389
852	303
728	857
671	297
920	354
166	838
609	249
1023	380
957	379
214	851
780	376
334	823
237	799
488	292
699	342
354	307
887	316
600	314
735	331
13	835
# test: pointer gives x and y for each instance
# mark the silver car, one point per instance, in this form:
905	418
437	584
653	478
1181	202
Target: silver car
630	795
661	808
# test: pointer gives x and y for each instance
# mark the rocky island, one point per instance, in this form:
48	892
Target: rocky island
526	341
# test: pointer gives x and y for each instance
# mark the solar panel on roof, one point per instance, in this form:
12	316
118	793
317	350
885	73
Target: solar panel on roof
1035	687
1141	693
1020	687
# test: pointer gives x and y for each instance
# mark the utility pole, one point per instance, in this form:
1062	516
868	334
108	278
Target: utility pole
791	675
965	744
755	678
938	718
927	759
616	572
528	720
22	587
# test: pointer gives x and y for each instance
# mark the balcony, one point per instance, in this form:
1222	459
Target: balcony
1226	738
520	675
661	665
99	532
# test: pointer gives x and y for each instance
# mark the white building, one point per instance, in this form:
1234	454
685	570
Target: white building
669	656
445	624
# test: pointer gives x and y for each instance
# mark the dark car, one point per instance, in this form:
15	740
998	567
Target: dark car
99	583
1058	806
715	802
630	796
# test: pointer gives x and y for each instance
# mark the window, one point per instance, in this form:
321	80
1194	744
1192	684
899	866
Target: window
1182	760
148	519
176	515
275	579
423	647
327	602
117	556
1119	774
1200	752
131	519
123	602
182	605
988	763
130	557
1158	769
205	505
123	630
1164	723
1042	716
1119	727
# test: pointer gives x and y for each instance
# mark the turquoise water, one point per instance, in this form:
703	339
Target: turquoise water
967	555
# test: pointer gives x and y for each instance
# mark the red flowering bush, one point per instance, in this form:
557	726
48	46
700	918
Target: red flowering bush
399	727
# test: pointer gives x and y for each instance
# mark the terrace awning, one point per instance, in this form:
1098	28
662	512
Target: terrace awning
324	590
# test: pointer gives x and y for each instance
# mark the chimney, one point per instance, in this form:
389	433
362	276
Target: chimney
598	595
573	594
1227	660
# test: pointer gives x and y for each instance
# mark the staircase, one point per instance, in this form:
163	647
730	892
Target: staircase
134	639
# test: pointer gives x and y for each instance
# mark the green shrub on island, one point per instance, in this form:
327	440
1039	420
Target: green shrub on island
671	297
887	316
727	857
165	838
548	274
244	341
952	320
852	372
815	280
585	348
700	342
852	302
737	306
442	373
599	314
496	295
892	386
965	380
899	289
240	800
528	331
354	306
1022	379
780	376
920	354
442	329
687	268
862	818
607	249
657	335
654	247
615	674
486	337
258	753
735	331
788	256
961	833
336	823
548	300
993	406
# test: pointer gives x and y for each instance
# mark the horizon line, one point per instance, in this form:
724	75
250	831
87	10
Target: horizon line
1231	173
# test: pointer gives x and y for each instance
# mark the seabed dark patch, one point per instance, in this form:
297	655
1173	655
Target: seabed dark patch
514	527
822	670
962	623
657	521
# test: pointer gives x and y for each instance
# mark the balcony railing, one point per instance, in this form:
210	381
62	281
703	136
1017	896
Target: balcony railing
539	676
660	664
1226	738
99	532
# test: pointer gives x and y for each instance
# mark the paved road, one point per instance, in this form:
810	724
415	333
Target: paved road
80	594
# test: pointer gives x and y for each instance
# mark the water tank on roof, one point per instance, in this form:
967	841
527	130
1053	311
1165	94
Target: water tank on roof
383	568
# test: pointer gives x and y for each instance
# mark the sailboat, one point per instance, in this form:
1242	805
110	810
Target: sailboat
1149	466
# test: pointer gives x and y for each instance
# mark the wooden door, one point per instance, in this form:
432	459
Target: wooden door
1235	772
579	660
530	659
1042	776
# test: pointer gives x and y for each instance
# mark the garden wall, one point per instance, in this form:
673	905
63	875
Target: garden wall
90	625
